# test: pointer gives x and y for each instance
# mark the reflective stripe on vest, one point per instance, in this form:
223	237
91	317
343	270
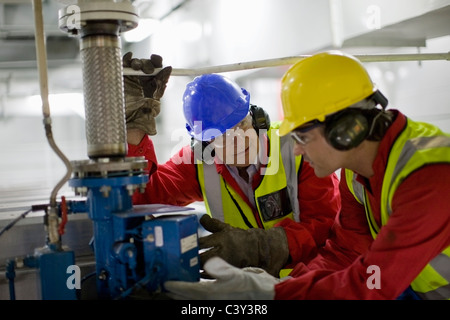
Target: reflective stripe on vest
418	145
279	180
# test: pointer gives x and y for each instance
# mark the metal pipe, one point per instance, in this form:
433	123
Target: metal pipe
103	90
99	24
289	61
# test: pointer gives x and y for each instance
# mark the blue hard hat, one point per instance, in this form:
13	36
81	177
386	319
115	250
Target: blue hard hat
212	104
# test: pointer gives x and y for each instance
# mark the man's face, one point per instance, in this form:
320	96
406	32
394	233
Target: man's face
238	146
313	146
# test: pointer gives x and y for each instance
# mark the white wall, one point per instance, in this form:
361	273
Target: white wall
421	90
232	31
29	168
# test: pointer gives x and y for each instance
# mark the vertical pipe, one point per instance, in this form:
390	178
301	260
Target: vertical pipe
101	209
103	90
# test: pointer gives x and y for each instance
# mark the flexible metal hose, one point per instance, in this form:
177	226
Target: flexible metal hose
103	94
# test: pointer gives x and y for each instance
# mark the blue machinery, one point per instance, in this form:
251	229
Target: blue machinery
136	248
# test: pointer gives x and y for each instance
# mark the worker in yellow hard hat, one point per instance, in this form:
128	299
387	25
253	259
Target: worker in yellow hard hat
391	239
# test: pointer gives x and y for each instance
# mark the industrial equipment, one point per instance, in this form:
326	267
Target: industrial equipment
136	248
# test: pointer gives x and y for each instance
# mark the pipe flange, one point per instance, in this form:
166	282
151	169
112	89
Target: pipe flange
74	17
108	167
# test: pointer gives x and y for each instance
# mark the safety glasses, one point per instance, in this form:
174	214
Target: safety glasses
298	134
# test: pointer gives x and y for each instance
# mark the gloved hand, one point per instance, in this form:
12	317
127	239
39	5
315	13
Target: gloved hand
230	283
266	249
142	93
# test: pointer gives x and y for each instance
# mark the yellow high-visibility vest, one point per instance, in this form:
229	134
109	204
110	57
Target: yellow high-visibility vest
418	145
275	197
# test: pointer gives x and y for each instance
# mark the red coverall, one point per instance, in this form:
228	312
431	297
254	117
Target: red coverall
175	182
417	230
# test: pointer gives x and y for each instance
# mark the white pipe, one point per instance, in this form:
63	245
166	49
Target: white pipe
289	61
41	55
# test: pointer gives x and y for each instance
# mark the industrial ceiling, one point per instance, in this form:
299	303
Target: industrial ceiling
18	66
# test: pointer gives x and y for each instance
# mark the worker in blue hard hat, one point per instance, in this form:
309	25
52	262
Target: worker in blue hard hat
265	206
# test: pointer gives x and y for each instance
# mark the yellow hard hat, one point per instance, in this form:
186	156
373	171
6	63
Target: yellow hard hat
320	85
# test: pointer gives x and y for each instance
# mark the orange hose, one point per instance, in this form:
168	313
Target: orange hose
61	226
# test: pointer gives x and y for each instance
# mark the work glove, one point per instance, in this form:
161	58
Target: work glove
230	283
266	249
143	93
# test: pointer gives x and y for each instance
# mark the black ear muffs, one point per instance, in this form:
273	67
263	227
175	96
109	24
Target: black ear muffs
260	118
347	129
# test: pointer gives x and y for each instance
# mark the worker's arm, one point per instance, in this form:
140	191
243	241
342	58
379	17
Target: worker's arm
319	202
135	136
143	93
252	283
174	182
418	229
